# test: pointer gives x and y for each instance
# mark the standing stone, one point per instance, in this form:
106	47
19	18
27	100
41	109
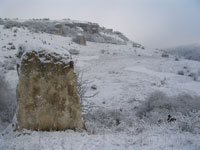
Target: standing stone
80	39
47	94
58	29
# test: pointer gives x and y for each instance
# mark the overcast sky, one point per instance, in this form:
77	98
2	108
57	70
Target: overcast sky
153	23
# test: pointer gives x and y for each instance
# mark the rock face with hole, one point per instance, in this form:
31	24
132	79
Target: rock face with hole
47	94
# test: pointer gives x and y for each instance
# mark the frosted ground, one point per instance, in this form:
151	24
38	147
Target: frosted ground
124	77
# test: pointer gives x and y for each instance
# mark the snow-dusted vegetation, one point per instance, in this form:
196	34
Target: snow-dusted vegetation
132	97
7	103
191	52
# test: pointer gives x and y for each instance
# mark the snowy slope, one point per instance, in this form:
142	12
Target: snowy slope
124	77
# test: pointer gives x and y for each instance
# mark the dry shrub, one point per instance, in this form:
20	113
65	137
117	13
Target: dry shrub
7	101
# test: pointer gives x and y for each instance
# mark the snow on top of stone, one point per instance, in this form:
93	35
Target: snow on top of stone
61	55
45	53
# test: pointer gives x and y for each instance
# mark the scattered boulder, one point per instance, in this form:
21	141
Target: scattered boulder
165	55
80	39
181	72
73	52
15	30
94	87
4	46
103	51
176	59
47	93
13	47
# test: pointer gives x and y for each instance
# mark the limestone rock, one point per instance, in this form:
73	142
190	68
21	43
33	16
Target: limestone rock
47	94
80	39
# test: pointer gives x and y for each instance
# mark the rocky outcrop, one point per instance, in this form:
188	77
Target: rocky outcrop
70	28
89	27
47	94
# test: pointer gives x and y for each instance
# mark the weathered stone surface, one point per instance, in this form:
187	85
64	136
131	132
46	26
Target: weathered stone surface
47	95
80	39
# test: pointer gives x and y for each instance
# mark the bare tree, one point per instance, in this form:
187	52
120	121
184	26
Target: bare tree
83	86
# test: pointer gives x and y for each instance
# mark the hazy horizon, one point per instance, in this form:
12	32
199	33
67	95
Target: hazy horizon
153	23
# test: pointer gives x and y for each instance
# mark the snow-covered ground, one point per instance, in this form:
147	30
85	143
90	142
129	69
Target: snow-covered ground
124	77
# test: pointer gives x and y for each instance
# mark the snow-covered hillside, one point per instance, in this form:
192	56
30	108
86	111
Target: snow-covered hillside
119	116
70	28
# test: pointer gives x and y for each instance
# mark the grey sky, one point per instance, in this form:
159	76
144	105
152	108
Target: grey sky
154	23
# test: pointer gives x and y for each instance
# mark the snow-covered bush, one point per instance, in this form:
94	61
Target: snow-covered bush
183	110
195	75
103	119
165	55
10	24
159	105
7	101
191	51
9	64
189	123
1	22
